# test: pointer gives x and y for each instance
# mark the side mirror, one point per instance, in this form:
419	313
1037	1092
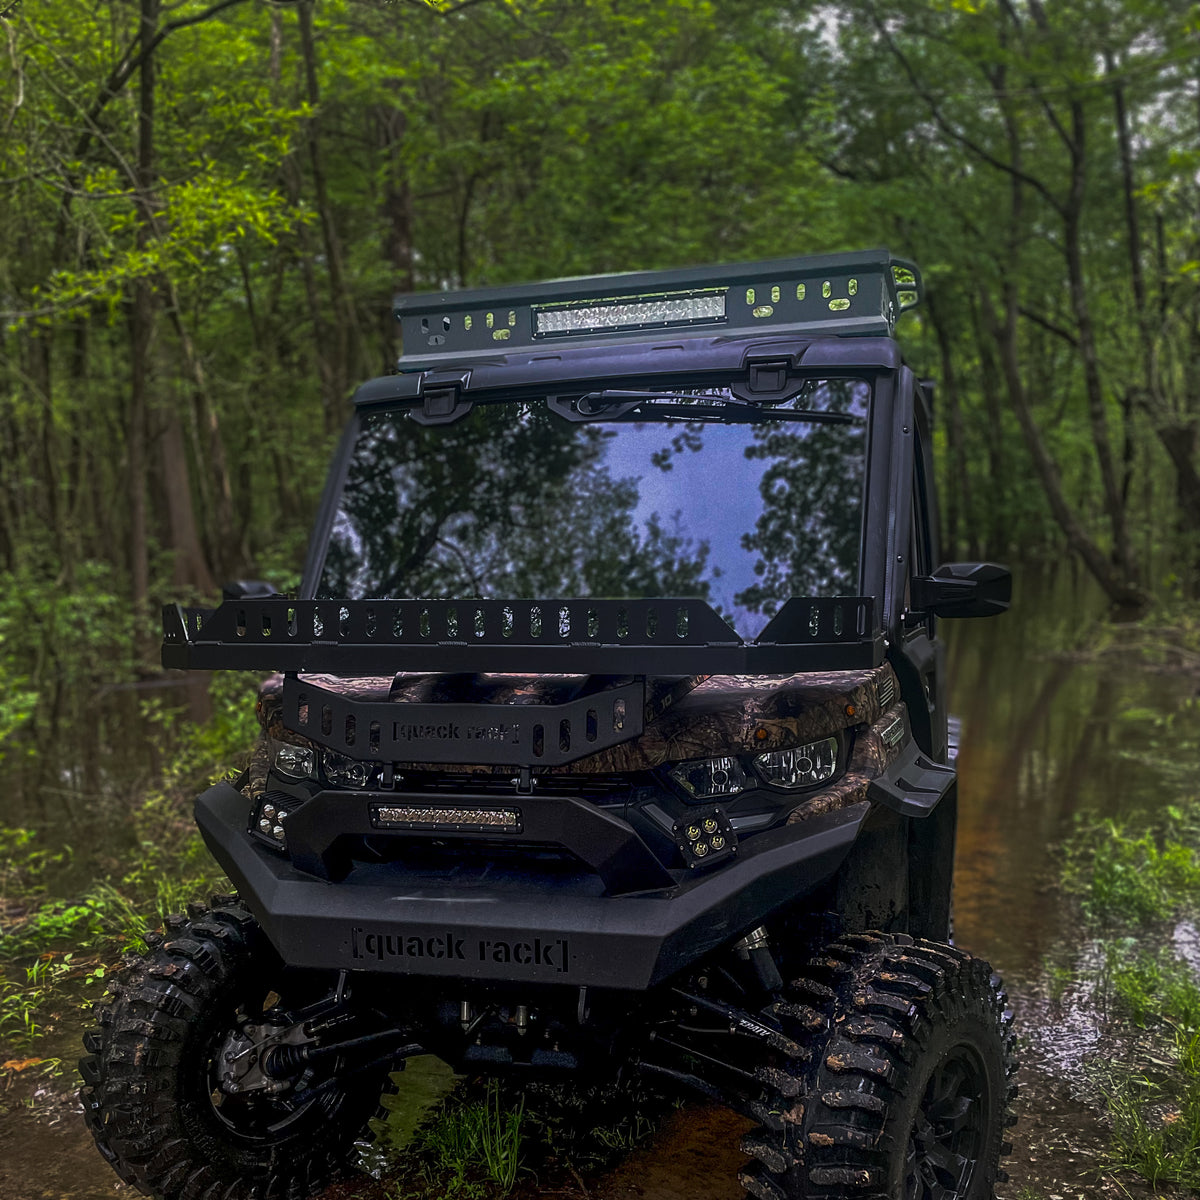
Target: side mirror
248	589
963	590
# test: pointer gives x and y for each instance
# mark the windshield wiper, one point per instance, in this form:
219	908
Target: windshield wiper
616	396
615	404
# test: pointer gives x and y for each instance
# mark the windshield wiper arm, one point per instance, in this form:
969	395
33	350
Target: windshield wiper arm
618	396
619	404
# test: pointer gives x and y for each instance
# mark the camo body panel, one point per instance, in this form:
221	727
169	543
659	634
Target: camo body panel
746	714
687	717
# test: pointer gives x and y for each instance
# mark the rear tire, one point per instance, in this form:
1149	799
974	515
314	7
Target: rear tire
161	1101
906	1094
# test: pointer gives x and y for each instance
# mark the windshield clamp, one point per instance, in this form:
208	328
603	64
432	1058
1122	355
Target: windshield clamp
442	401
768	381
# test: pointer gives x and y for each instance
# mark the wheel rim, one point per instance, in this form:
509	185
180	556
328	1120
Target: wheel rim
946	1141
257	1117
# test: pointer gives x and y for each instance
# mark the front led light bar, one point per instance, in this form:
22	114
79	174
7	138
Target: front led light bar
418	816
630	312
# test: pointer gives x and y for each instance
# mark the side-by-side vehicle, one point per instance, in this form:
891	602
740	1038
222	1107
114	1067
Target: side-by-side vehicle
607	742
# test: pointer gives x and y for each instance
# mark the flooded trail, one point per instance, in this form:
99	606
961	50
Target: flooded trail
1042	737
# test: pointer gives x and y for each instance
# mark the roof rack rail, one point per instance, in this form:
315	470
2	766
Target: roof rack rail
859	293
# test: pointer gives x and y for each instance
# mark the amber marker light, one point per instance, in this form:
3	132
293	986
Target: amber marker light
851	710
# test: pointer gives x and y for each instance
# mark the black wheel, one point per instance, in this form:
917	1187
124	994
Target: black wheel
178	1087
906	1093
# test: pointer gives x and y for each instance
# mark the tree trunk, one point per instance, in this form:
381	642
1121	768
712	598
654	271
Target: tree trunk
345	320
958	506
397	221
229	554
1124	595
141	327
190	567
1097	416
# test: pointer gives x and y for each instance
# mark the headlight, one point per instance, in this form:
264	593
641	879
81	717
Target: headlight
346	772
800	767
705	778
296	762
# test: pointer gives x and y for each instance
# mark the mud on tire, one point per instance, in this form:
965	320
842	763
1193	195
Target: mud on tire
906	1094
149	1095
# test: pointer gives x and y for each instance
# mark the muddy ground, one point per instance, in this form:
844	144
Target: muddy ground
1059	1143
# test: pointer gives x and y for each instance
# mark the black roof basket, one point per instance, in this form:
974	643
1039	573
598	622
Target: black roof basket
815	295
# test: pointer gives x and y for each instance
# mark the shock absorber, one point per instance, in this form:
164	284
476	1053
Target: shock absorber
755	951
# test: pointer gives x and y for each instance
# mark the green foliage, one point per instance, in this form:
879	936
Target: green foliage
206	751
1152	986
1167	742
588	1128
1133	878
472	1146
478	1140
1156	1117
1129	874
51	945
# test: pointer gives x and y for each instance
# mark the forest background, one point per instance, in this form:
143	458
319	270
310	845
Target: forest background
205	209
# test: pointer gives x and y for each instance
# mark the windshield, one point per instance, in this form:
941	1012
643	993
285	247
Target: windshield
692	493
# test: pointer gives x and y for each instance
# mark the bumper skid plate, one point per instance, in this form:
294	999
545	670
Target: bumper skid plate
514	926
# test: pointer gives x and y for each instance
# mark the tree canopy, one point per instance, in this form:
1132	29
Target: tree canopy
209	203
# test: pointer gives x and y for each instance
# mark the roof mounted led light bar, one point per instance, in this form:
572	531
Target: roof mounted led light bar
626	313
844	294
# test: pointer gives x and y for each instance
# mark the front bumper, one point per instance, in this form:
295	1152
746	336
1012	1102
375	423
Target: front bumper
502	924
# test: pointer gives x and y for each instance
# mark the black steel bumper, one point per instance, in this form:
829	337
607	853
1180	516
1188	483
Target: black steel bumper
504	925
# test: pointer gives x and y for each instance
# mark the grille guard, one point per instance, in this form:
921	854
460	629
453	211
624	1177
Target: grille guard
525	735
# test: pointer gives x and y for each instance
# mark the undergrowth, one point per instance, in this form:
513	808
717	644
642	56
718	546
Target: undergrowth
471	1148
485	1136
1137	881
56	949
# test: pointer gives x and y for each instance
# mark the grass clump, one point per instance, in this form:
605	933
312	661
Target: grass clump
1131	875
1134	882
1156	1117
484	1136
470	1147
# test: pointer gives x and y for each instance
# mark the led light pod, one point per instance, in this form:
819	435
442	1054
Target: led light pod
707	778
269	817
801	766
708	837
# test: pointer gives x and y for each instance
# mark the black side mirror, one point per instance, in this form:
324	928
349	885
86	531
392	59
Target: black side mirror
248	589
963	590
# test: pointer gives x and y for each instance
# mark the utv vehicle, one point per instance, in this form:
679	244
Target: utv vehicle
686	815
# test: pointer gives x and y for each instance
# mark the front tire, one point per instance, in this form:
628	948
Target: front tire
907	1089
168	1110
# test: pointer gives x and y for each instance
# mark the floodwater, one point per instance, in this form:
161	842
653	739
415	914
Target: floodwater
1043	735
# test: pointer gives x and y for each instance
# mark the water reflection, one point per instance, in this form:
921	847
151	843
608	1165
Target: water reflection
1043	737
